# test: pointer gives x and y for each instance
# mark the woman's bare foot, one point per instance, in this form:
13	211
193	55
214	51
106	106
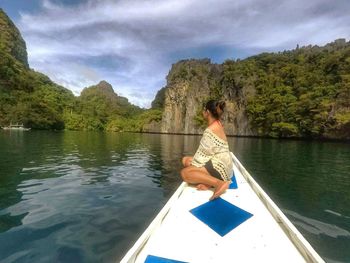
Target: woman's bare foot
202	187
220	189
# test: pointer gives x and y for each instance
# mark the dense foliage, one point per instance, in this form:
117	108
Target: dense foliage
300	93
303	92
31	98
26	96
99	108
135	123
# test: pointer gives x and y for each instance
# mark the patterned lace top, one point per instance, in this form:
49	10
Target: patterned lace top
212	147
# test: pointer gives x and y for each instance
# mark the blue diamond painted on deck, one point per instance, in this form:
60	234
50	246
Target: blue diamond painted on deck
154	259
220	215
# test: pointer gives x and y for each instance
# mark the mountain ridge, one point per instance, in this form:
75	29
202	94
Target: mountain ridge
299	93
31	98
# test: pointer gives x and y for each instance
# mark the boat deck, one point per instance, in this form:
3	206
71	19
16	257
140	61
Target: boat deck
192	229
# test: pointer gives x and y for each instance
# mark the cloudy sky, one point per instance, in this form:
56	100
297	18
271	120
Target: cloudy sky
132	43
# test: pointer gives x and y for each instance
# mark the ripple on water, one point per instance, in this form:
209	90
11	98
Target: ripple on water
317	227
86	197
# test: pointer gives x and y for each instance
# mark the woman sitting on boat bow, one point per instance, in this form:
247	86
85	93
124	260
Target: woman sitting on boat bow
211	166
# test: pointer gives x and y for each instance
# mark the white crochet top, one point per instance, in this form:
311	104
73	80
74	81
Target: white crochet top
212	147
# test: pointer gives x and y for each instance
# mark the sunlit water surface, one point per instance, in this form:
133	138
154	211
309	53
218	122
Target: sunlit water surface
86	197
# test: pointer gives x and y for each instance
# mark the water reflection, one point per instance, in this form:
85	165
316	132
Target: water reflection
86	197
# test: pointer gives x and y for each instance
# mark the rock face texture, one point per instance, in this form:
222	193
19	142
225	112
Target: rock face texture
299	93
153	126
190	83
11	40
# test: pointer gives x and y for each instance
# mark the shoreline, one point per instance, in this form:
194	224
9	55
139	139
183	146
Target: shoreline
258	137
199	134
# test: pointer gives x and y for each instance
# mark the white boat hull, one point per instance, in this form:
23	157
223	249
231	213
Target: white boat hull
16	129
267	236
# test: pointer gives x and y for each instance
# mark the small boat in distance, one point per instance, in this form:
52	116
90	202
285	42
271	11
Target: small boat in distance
243	225
17	127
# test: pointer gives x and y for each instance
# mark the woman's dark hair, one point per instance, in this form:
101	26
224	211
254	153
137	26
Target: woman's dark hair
216	108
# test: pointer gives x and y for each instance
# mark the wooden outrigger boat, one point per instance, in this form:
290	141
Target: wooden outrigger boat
243	225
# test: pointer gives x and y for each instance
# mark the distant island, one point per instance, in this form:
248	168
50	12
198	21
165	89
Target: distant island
299	93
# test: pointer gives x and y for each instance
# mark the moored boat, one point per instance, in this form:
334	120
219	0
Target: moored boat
243	225
17	127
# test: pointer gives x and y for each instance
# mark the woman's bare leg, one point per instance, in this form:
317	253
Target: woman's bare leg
186	161
199	175
203	187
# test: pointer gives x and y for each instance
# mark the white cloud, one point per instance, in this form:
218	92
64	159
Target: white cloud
142	36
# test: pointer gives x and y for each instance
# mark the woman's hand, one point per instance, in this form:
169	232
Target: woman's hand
186	161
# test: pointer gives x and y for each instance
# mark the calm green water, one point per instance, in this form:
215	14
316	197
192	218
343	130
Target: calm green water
86	197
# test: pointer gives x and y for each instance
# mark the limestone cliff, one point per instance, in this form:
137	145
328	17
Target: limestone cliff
189	84
304	93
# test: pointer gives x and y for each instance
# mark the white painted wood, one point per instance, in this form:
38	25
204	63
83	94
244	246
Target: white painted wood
291	231
133	252
268	236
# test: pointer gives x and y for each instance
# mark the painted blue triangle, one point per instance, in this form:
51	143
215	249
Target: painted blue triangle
154	259
234	184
